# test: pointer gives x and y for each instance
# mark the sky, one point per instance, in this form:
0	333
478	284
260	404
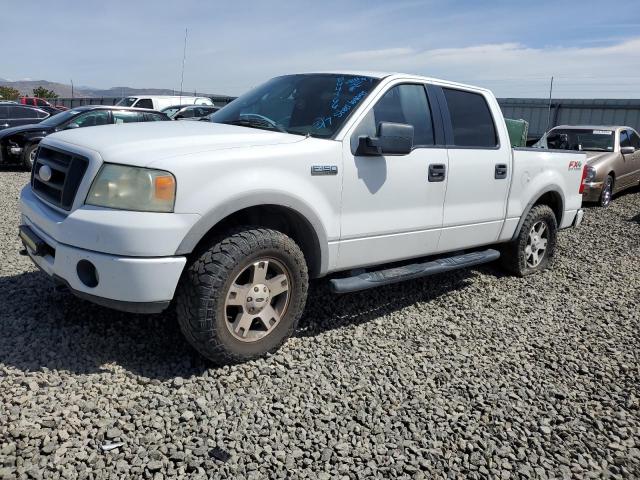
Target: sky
592	48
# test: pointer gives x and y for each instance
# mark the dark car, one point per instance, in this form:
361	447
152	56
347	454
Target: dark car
19	144
14	114
189	112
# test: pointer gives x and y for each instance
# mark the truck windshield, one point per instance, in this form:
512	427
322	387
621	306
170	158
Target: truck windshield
310	104
127	102
579	139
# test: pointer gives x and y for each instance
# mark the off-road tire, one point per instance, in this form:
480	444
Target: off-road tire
203	289
513	257
26	156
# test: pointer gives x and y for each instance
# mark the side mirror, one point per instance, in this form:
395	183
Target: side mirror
178	117
627	150
72	125
392	139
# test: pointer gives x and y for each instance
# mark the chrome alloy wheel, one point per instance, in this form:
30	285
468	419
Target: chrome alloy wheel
257	299
606	193
536	244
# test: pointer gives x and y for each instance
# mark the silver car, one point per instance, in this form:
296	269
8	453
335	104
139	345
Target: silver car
613	157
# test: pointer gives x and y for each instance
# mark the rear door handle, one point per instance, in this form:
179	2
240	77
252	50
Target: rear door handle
437	172
501	171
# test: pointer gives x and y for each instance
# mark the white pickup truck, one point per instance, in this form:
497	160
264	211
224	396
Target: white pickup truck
367	178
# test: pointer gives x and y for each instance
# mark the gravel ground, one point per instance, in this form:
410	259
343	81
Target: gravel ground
466	375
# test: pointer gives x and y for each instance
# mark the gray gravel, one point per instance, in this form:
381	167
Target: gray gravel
466	375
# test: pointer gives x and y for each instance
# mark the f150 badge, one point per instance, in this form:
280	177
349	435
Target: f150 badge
324	170
575	165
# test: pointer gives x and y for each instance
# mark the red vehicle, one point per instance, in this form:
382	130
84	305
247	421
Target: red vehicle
35	102
41	103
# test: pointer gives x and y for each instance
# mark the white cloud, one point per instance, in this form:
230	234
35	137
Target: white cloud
513	69
367	55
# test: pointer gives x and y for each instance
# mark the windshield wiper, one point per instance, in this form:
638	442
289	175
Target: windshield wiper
255	123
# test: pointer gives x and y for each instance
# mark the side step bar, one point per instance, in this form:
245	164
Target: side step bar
408	272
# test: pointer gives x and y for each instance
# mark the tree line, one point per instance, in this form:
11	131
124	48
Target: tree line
10	93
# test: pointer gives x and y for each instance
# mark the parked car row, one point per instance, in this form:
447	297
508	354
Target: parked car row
19	144
160	102
23	125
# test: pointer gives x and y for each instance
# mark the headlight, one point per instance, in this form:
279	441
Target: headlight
591	175
133	188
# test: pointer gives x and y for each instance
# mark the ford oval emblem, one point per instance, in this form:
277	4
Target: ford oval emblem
45	173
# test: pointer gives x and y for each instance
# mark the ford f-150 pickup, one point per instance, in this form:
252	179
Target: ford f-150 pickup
367	178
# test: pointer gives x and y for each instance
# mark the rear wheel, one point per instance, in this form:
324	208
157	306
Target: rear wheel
243	297
607	192
29	156
533	249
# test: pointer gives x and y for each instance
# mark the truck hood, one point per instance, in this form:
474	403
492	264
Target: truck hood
140	144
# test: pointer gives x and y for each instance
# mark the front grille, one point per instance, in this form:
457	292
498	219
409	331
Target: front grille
67	171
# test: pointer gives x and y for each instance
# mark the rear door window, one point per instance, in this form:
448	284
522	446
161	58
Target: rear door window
145	103
4	112
471	119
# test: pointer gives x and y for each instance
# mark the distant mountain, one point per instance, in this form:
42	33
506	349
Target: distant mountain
26	87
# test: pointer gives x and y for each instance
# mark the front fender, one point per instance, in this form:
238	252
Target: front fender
218	184
258	199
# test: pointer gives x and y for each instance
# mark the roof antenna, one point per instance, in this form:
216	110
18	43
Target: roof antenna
549	110
184	56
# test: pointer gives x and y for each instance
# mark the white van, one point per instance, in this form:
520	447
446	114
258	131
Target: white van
158	102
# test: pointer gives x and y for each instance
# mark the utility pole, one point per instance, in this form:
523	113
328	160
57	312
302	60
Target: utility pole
184	56
549	110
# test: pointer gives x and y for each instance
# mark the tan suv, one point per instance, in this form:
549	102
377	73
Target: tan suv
613	157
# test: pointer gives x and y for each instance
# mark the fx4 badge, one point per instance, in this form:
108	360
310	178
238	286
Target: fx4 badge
324	170
575	165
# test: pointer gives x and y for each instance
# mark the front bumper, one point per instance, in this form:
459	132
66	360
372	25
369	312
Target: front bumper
140	285
592	191
117	232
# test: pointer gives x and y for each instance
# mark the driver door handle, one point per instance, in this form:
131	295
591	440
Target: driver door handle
437	172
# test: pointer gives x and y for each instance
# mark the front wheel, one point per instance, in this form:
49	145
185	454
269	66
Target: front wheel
534	247
29	156
607	192
243	297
